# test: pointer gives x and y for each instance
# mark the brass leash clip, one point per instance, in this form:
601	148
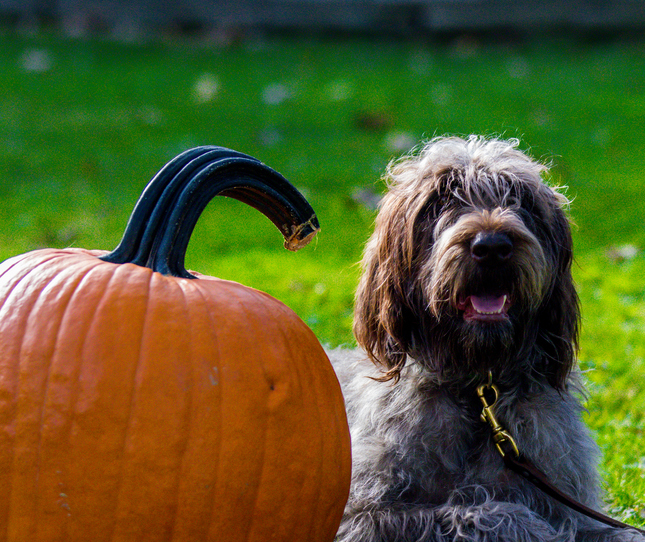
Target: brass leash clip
500	435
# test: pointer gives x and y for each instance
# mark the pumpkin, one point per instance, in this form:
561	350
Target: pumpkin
139	402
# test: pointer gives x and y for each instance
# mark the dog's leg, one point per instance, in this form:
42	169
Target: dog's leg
488	522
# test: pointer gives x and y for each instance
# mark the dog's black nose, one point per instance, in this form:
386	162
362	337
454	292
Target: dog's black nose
491	247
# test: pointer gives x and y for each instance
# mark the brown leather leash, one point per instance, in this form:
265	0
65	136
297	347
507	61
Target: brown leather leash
522	466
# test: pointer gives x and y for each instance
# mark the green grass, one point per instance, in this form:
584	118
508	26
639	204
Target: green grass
80	138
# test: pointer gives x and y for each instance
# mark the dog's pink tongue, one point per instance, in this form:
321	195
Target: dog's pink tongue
488	304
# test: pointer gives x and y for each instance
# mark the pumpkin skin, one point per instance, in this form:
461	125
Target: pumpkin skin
141	406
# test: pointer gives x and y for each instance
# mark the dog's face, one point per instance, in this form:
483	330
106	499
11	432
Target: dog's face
468	269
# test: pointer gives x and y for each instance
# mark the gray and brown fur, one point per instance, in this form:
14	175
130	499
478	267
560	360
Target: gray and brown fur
424	465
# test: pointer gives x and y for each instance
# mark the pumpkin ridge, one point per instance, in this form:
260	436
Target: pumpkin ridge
71	281
126	434
8	507
337	416
8	265
186	417
272	426
109	276
21	422
66	435
24	259
322	457
217	478
319	464
193	287
10	504
262	435
18	261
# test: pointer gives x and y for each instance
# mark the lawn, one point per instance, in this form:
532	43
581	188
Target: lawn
84	124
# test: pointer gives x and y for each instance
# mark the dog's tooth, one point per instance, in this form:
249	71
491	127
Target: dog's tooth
498	311
501	308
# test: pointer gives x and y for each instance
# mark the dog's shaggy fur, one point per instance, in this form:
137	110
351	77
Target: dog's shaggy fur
467	272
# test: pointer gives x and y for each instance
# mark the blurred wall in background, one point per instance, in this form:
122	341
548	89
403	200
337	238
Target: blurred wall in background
400	16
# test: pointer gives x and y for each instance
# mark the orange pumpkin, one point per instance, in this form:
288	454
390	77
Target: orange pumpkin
139	402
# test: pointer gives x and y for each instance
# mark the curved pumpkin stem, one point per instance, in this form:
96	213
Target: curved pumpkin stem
165	216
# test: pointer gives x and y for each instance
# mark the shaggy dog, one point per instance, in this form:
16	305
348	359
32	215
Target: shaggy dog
467	277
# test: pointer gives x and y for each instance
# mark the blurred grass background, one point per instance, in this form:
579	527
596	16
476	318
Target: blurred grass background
84	124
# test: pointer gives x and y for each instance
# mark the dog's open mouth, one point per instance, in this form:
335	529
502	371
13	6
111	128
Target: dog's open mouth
485	308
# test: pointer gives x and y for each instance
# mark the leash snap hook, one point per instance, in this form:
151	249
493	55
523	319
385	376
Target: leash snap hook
500	435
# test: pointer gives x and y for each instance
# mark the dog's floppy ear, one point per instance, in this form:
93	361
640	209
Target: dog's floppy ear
378	318
384	320
560	312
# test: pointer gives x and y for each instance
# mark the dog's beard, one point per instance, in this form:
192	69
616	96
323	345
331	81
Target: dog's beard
485	346
462	350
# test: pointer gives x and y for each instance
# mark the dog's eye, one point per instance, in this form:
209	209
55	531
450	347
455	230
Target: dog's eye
435	202
444	200
527	217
